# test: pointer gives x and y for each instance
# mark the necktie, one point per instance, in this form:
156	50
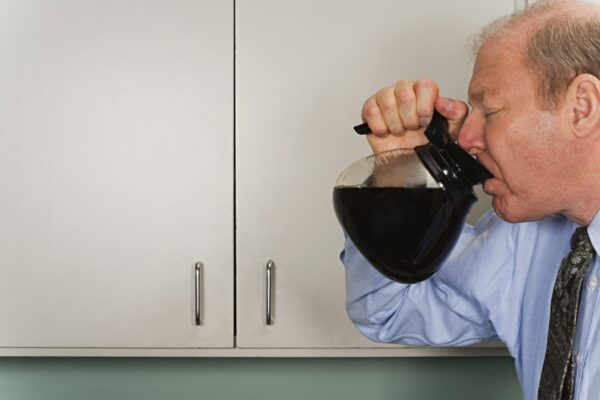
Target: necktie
557	378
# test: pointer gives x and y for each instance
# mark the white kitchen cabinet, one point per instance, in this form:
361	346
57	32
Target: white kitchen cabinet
117	166
116	173
303	71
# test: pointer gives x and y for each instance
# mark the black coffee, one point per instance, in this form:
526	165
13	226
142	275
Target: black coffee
406	233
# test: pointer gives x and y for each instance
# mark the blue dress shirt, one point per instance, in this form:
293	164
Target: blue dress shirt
496	284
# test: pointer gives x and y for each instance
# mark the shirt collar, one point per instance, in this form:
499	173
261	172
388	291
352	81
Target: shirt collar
594	231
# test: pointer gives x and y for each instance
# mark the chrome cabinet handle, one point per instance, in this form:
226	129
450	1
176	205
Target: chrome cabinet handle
269	310
198	271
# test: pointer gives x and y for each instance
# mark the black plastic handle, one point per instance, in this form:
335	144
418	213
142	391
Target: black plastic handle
362	129
436	131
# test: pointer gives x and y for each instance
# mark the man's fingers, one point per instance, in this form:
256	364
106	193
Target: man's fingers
386	100
427	92
407	104
397	114
372	116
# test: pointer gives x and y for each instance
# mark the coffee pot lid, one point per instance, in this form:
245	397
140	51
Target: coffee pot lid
452	167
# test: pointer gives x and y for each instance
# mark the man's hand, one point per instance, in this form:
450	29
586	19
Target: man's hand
398	115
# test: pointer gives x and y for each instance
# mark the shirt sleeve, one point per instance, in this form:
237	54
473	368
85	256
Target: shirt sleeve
455	307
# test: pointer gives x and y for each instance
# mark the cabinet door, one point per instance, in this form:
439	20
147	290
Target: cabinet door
303	72
116	171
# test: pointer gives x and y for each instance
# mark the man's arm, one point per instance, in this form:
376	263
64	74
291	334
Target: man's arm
454	307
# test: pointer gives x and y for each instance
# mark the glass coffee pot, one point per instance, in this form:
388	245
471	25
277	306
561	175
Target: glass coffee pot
404	209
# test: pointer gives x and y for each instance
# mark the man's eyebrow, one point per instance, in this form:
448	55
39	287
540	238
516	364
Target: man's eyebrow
476	96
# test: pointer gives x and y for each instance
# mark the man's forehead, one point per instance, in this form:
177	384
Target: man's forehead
495	66
480	88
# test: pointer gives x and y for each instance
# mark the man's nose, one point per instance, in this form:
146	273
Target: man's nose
470	137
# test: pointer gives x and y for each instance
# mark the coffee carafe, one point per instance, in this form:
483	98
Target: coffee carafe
404	208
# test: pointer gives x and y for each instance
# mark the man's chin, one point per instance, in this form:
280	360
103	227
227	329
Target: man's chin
508	217
504	212
512	214
504	203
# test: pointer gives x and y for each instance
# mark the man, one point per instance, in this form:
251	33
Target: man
535	125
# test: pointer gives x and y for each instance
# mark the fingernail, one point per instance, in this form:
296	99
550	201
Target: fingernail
424	121
447	105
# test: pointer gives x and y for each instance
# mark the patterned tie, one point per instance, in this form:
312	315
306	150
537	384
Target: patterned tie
557	373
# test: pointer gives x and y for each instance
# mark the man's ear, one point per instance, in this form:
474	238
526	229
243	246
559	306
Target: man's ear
583	105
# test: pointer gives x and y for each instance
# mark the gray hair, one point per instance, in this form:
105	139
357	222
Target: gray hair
563	41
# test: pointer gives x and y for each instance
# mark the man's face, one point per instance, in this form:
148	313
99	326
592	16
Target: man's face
522	145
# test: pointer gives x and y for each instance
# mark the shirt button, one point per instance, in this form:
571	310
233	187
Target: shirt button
593	283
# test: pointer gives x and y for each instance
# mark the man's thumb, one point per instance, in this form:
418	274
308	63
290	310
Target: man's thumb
455	112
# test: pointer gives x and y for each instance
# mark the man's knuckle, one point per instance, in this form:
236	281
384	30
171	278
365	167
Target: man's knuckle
412	124
405	96
380	130
370	111
396	128
386	101
425	83
425	111
403	83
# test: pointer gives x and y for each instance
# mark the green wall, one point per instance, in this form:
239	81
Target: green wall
258	378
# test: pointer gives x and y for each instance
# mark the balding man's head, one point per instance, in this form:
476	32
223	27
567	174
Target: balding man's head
558	40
